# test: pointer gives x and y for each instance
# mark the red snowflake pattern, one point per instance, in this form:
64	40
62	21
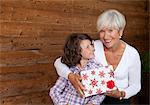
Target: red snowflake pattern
84	76
93	72
99	91
94	82
111	73
101	74
103	82
90	91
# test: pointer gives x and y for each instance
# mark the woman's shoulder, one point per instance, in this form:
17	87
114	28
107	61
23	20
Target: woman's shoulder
131	50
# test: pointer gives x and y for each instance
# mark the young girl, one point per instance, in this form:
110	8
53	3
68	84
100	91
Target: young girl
78	55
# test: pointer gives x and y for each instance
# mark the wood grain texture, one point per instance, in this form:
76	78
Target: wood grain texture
32	35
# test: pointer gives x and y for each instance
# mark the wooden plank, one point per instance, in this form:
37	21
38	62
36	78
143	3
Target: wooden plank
140	5
22	58
39	98
10	29
64	6
135	3
77	6
19	28
20	87
40	43
49	5
35	16
27	69
26	72
40	16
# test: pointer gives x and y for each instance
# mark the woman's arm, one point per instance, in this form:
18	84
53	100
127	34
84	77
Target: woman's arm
61	68
134	77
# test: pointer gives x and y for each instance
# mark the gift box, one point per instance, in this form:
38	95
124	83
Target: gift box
98	80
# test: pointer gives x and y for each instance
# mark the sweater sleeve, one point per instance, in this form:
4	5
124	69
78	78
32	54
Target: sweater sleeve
61	68
57	90
96	99
134	77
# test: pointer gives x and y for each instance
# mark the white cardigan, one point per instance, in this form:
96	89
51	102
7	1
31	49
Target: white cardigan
127	74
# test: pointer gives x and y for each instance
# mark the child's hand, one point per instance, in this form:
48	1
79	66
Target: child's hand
75	80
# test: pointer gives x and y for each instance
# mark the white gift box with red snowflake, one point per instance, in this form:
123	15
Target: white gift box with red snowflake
98	80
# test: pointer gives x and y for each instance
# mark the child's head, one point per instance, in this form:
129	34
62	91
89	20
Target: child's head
78	46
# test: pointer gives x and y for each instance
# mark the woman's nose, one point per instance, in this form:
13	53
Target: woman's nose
106	35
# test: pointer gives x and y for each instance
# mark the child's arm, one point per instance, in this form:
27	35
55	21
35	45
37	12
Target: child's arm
57	90
96	99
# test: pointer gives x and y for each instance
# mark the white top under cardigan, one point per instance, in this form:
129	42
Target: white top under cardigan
127	73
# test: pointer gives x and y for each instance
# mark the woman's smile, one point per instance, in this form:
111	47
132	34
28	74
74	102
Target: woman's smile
107	42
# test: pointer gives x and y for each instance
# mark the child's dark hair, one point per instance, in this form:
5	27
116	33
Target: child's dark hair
72	49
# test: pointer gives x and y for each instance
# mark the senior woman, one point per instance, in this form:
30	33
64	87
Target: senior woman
111	50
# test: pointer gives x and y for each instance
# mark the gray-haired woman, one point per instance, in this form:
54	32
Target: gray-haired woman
112	50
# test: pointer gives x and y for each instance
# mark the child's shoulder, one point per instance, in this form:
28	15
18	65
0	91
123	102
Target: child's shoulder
94	64
74	69
94	61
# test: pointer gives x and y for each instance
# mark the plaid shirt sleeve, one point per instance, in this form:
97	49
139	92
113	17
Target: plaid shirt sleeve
96	99
57	89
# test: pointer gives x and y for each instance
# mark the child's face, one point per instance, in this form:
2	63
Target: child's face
87	49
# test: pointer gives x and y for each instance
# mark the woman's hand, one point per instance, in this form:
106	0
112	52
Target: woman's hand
75	80
114	93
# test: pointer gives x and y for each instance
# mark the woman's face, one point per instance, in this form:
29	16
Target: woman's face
110	37
87	49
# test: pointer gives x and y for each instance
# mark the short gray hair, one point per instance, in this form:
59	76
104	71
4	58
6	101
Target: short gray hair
111	19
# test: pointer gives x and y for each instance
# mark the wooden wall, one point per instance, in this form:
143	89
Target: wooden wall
32	33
